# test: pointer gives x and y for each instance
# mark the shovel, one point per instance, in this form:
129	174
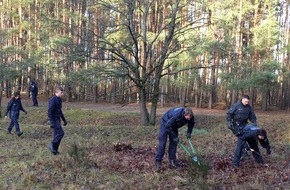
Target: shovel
192	154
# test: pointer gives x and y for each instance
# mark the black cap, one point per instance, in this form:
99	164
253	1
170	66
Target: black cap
17	93
262	132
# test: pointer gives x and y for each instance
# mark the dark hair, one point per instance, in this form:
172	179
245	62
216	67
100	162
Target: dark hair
262	132
245	96
188	111
17	93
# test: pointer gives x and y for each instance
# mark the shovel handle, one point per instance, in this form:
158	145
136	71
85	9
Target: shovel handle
191	146
184	148
194	156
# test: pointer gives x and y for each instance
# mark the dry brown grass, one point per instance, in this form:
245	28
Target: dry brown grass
109	150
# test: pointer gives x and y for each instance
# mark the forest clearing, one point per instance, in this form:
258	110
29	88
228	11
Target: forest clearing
120	64
104	147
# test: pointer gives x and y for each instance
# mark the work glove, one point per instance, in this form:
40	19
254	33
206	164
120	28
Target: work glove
25	112
64	123
268	151
188	135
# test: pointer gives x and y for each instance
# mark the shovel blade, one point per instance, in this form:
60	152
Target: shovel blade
195	159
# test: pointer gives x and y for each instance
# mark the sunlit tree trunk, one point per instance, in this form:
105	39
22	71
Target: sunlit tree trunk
144	115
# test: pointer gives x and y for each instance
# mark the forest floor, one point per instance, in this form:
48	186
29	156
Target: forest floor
106	148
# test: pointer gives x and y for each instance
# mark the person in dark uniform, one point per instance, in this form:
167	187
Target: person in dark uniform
239	114
34	92
250	137
13	108
54	115
169	124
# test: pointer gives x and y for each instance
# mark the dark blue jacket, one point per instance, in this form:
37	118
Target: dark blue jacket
174	119
250	134
13	108
54	109
240	113
33	88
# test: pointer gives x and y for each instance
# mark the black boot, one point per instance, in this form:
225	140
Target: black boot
158	165
53	151
19	133
173	164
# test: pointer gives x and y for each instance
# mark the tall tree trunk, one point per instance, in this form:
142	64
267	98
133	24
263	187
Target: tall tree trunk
143	107
95	93
1	93
183	95
265	94
162	99
155	97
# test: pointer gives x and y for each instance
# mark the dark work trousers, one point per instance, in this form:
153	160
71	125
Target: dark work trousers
241	144
256	153
14	122
238	151
34	99
162	137
58	134
245	150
